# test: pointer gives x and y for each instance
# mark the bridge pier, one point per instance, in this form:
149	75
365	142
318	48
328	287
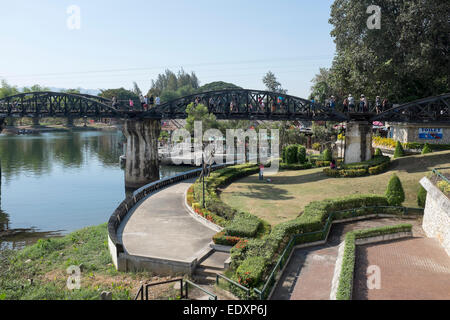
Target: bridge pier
358	141
142	165
69	123
2	123
36	121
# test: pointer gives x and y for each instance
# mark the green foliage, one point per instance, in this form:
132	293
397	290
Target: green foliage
284	166
200	113
345	286
326	155
291	154
394	192
218	85
249	273
222	239
391	62
301	156
120	94
426	149
378	152
399	152
169	86
243	225
316	146
421	197
377	165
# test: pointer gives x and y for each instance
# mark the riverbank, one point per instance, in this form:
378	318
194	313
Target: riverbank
39	271
60	128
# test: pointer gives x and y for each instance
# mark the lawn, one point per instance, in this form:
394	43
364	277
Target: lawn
38	272
289	192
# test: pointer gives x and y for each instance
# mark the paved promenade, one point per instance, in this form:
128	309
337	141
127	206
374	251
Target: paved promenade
161	227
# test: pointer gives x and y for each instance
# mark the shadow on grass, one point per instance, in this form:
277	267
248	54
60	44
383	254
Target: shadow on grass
417	164
266	192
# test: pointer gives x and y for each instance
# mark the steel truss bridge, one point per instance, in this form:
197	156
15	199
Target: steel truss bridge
224	104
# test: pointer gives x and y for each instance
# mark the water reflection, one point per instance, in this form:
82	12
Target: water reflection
58	182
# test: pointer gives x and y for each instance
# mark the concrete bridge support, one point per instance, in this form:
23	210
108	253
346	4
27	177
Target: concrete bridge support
2	124
142	164
36	121
69	123
358	141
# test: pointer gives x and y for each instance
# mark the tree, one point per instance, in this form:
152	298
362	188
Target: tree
272	84
200	113
394	192
291	154
399	152
136	90
120	94
301	154
8	90
172	84
408	58
217	85
421	197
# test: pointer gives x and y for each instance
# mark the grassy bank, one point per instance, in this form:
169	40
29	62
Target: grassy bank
290	191
39	271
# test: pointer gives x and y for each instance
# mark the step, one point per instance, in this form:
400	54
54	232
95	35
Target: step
216	260
206	271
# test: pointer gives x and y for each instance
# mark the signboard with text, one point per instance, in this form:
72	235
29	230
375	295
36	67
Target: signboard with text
431	133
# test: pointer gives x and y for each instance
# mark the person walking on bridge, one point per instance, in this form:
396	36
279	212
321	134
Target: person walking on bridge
351	103
378	104
158	101
151	101
362	104
332	103
131	103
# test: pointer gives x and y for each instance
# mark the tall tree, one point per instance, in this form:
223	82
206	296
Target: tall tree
272	84
408	58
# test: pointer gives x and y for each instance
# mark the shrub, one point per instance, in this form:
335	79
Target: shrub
326	155
316	146
394	192
444	186
320	163
222	239
301	156
285	166
421	197
399	152
378	152
426	149
250	272
243	225
292	154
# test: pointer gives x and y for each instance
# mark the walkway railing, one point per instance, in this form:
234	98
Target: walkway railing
143	292
233	283
440	175
299	239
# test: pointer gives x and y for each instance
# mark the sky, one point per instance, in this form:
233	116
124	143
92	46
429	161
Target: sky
119	42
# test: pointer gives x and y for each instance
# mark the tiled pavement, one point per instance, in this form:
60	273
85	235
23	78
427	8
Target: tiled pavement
410	269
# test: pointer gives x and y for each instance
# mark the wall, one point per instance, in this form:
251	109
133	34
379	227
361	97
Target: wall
409	132
436	219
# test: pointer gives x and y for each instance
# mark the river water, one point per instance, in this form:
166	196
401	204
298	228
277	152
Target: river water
57	182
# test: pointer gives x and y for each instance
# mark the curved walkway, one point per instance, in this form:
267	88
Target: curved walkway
160	226
309	273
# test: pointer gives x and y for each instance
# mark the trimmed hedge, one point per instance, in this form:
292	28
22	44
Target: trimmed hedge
421	197
244	225
345	286
426	149
250	271
285	166
377	165
394	192
399	152
313	219
222	239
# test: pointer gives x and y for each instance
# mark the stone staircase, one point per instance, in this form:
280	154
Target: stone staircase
206	271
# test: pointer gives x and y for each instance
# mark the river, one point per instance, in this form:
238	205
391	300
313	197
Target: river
57	182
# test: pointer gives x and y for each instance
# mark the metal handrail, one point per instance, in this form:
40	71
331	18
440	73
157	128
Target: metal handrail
145	287
247	290
440	175
212	296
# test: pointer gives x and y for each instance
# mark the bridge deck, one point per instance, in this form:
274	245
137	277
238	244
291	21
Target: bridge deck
161	227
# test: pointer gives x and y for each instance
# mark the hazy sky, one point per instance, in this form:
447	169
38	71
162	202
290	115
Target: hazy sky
124	41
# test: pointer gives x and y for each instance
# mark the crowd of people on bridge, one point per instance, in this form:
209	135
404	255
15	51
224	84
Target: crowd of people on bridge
349	105
146	102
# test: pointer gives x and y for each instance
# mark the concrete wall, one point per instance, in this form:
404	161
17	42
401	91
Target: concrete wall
409	132
436	219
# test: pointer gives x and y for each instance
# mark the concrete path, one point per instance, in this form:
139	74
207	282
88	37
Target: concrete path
309	273
161	227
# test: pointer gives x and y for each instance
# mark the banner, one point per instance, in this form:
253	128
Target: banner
431	133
